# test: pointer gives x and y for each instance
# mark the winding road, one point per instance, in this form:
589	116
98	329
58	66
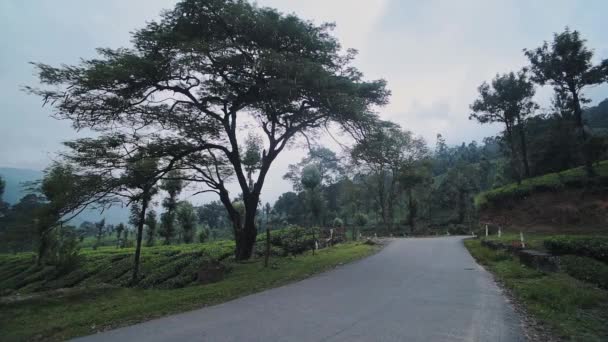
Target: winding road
426	289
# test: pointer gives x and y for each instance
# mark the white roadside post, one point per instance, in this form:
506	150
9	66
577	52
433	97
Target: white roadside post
499	232
486	230
521	237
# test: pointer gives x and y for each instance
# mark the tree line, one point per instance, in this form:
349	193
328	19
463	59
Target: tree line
174	109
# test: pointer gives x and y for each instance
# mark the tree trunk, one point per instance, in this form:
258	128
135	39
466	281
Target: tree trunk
42	248
235	218
392	193
524	148
247	236
513	154
140	233
578	115
461	206
381	199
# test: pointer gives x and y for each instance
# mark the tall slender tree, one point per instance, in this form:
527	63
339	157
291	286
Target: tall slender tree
186	216
100	227
173	185
140	180
566	65
151	224
67	193
508	100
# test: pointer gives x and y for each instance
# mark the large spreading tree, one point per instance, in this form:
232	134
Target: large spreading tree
203	73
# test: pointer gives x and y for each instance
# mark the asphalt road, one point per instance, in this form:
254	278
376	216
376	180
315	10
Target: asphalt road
413	290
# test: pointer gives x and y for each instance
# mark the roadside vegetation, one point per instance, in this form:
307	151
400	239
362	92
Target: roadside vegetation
573	309
95	306
557	181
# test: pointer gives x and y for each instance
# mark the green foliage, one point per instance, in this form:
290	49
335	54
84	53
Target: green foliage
64	250
593	247
203	235
186	216
292	240
289	208
161	267
311	177
566	63
338	223
324	159
550	182
585	269
173	185
361	219
151	224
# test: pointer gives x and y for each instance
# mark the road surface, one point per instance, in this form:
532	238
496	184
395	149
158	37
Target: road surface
427	289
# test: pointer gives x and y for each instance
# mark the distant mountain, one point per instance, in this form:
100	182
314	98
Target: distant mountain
14	191
14	182
597	117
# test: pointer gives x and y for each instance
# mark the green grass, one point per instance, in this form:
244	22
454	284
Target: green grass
81	311
549	182
572	309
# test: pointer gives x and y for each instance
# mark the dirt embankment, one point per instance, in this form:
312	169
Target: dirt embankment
567	211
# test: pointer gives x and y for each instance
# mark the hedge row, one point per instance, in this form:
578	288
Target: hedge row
586	269
593	247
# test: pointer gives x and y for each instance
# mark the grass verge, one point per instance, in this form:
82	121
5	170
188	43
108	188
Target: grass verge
572	309
83	311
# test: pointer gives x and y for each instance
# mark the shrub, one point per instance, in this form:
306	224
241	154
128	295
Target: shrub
64	250
203	235
292	240
585	269
458	229
593	247
361	219
338	223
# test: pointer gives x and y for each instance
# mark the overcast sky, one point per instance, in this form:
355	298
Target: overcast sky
433	53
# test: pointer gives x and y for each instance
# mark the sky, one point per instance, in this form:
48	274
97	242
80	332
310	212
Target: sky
433	53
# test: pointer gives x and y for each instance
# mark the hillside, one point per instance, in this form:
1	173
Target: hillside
563	201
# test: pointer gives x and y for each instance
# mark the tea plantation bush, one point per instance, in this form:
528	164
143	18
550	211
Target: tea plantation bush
161	267
291	240
550	182
593	247
586	269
